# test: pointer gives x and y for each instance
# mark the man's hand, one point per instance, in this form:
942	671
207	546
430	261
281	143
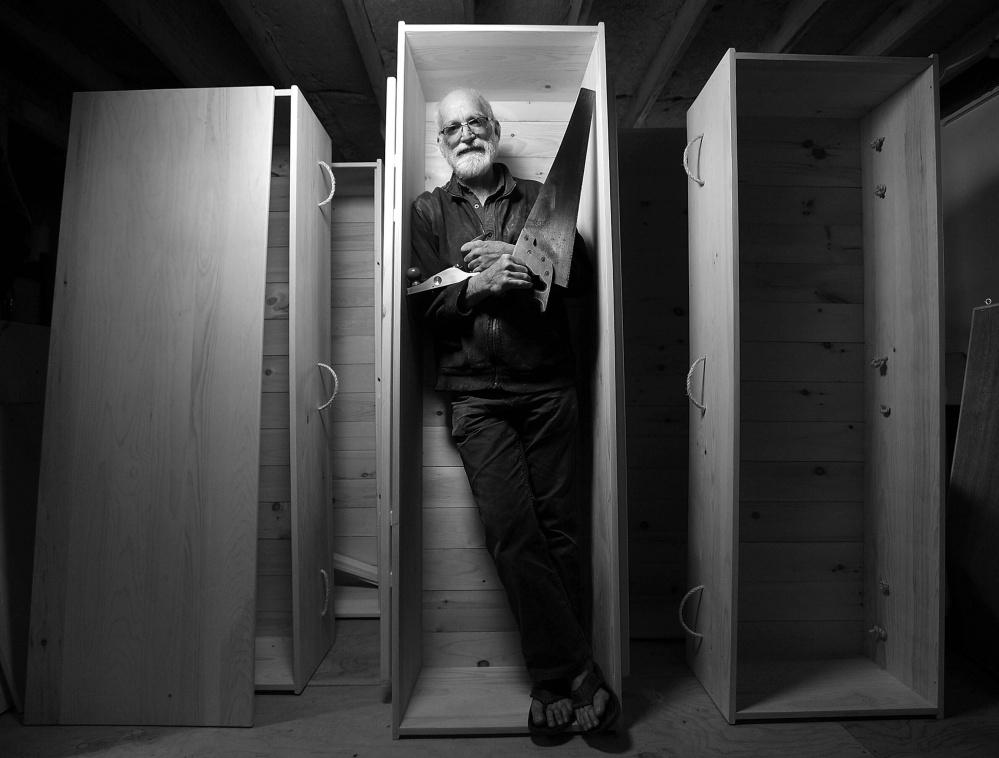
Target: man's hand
504	274
481	254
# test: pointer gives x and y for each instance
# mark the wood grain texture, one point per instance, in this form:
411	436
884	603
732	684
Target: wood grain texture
903	270
144	575
452	558
309	388
714	333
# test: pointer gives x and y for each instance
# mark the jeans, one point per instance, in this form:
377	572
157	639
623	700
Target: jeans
519	453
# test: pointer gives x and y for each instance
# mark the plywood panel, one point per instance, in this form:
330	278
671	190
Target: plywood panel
903	294
310	387
159	497
714	334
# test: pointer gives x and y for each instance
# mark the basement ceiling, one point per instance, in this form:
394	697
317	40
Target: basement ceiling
339	52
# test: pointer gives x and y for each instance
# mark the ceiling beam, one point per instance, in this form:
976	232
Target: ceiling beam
981	41
366	43
686	24
579	13
60	52
255	33
187	36
894	26
799	16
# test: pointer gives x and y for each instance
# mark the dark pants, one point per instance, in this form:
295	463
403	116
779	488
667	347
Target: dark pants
519	453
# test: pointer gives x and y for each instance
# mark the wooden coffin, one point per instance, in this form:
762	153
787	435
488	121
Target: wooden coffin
183	399
456	661
816	421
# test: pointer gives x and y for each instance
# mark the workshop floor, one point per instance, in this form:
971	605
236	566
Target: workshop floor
345	712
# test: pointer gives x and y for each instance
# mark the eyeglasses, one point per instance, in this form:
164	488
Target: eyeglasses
477	125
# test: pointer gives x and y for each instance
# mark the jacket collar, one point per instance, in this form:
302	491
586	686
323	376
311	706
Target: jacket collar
507	183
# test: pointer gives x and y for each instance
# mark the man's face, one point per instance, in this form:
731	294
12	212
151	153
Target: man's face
469	151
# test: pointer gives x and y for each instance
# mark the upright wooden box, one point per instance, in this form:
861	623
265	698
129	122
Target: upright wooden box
456	663
816	441
183	400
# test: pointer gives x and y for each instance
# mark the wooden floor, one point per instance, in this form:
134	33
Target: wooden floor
345	712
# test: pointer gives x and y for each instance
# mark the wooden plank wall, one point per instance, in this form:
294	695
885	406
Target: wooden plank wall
653	205
352	356
274	647
802	372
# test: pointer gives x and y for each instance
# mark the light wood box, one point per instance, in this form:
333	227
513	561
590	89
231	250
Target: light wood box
816	464
192	311
456	661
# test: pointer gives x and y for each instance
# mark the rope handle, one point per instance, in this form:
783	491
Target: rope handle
336	386
326	166
683	602
686	158
326	582
690	374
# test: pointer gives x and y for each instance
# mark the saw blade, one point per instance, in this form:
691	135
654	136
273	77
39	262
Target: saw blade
545	245
448	276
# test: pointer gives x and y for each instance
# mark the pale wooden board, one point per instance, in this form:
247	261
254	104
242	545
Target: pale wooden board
816	521
472	649
274	595
353	603
801	322
354	522
804	401
714	453
468	701
904	275
802	441
172	340
800	640
467	611
833	243
810	85
803	361
806	151
505	63
798	282
801	601
274	656
532	143
274	557
793	480
803	562
825	689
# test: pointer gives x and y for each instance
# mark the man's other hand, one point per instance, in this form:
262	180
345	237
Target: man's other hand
481	254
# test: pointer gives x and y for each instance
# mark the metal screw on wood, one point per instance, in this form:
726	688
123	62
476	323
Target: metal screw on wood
877	631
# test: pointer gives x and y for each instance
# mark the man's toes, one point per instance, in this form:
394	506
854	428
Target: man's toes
537	713
600	701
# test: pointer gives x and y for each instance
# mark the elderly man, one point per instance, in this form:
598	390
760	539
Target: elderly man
510	372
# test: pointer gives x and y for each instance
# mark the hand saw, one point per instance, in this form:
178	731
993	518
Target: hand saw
546	242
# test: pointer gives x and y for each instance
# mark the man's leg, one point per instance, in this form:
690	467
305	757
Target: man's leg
488	432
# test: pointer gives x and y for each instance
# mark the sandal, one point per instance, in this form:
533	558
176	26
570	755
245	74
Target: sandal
583	696
547	693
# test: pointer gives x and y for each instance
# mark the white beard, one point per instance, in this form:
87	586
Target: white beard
474	163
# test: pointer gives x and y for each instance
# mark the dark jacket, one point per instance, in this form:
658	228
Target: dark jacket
504	342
